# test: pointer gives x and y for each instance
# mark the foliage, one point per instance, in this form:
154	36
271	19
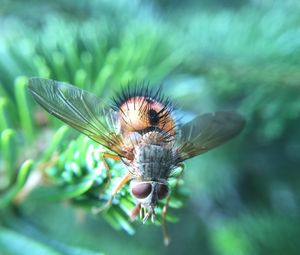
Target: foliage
244	197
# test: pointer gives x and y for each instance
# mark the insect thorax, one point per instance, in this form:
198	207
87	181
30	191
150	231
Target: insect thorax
153	162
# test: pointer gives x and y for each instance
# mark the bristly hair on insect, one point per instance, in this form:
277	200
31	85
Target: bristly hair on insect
148	101
145	90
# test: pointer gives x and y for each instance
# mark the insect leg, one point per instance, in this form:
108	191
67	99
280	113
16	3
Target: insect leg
124	180
166	206
136	210
106	155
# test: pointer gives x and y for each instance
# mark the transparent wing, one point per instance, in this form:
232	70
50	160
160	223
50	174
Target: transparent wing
207	131
79	109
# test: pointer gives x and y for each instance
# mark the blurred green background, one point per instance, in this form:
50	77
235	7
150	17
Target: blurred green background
242	198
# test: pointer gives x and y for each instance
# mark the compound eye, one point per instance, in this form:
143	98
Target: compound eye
141	190
162	191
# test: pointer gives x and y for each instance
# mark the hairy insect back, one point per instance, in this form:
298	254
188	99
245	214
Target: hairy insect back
154	157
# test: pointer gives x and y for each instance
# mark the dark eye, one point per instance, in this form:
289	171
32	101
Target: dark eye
141	190
162	191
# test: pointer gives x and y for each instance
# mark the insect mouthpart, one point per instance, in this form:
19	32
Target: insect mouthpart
148	213
147	194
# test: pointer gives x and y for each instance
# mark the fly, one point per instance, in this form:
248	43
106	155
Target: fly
142	131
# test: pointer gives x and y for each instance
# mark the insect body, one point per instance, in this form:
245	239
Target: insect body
142	131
